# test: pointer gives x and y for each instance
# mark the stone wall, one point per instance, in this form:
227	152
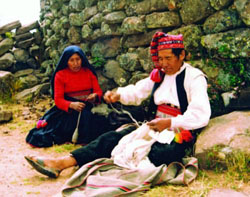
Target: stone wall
115	34
20	57
20	46
119	32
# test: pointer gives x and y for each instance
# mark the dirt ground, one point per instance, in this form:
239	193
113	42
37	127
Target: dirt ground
18	179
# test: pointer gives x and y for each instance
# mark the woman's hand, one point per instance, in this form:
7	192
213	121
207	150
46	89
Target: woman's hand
78	106
159	124
111	97
91	98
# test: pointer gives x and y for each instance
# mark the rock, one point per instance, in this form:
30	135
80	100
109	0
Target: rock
133	25
222	21
21	55
35	91
6	45
101	109
112	70
10	26
5	116
242	102
163	19
139	40
145	59
195	10
27	28
104	82
25	43
108	48
115	17
218	5
226	135
74	35
137	76
243	8
230	44
129	61
22	73
24	36
6	61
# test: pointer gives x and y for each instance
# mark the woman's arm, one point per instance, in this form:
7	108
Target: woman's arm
59	91
97	91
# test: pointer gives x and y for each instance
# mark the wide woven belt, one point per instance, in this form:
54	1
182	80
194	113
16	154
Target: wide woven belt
80	95
168	111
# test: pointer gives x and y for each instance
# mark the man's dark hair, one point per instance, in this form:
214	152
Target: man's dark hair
177	51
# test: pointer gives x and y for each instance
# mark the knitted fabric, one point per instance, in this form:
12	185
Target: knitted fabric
162	41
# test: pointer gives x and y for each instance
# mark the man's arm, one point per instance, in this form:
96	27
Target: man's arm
198	111
131	94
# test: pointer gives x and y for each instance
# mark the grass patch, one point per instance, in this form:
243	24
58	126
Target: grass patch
36	193
64	148
12	127
238	166
200	187
27	182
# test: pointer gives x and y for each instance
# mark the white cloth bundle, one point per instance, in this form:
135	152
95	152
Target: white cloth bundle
132	150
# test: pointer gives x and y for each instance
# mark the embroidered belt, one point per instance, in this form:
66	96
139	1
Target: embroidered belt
168	111
80	95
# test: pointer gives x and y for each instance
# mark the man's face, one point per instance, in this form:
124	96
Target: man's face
170	63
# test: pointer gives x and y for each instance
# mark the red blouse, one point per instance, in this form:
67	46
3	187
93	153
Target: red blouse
68	82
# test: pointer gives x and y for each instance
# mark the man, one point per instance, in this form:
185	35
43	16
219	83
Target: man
179	102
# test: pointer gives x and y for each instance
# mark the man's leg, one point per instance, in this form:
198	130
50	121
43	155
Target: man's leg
166	153
100	147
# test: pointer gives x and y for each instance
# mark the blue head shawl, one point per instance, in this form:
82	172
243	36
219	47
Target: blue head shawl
63	62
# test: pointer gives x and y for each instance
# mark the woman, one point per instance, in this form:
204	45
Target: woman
75	90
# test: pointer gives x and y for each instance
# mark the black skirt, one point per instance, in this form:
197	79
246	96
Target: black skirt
61	126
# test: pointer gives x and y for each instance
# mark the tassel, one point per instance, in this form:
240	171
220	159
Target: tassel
156	75
183	135
41	124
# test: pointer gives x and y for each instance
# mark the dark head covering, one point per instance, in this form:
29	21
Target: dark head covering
63	62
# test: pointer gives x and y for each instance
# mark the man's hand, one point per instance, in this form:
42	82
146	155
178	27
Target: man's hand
111	97
78	106
91	98
159	124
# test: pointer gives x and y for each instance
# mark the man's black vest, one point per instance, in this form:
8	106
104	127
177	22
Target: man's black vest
181	92
182	97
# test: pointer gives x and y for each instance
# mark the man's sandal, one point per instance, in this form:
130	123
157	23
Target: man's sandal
40	167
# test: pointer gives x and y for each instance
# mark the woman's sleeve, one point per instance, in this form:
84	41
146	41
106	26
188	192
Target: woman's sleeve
96	87
60	102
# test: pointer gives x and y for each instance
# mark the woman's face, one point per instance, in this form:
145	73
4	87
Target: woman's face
75	63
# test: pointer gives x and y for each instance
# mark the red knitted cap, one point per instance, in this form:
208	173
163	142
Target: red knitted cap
161	41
